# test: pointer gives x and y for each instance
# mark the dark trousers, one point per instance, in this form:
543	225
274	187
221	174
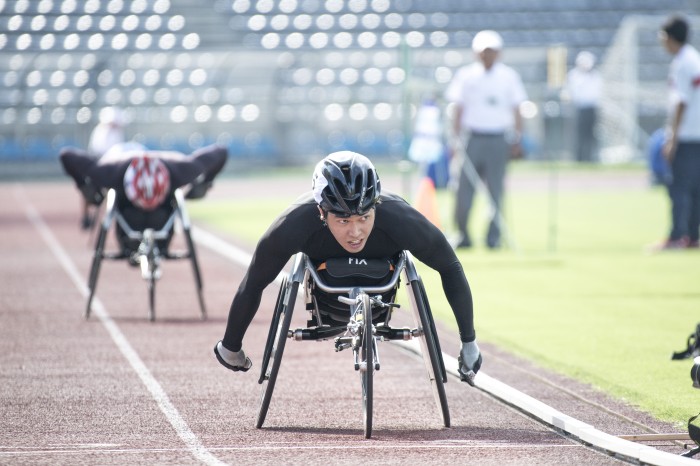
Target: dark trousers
489	154
585	135
685	192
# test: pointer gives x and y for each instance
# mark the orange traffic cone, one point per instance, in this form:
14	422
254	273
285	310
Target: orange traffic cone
426	201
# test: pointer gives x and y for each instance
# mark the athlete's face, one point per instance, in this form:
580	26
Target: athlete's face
351	232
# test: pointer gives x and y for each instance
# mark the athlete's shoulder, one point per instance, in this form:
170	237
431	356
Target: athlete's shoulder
392	200
302	208
306	198
303	204
394	210
406	226
391	196
293	225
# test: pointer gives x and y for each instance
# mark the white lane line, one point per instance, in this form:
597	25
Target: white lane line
173	416
414	446
585	432
221	247
227	250
359	446
497	389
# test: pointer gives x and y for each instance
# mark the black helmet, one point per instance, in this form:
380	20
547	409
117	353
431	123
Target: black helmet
346	183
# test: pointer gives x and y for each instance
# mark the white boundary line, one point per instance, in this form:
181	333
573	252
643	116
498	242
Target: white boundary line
545	413
193	444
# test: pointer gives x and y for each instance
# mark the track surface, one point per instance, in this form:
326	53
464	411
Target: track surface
118	389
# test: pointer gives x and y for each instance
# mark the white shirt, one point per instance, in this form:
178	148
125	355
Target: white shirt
684	79
488	97
584	87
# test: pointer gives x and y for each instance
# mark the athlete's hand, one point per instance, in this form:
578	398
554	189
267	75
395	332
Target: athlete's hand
469	362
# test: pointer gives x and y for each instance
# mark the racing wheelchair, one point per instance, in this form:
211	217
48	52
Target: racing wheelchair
347	304
144	240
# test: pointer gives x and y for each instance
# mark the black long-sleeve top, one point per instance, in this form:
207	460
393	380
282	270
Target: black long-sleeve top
397	227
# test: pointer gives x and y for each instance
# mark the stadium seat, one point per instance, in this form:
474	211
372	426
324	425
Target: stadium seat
234	66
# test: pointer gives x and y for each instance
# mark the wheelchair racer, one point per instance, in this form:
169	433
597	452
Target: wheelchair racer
118	166
143	180
347	214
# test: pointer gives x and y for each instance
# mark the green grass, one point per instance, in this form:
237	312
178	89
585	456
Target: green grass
579	294
227	215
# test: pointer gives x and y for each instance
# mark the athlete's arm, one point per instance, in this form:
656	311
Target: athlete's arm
429	245
283	239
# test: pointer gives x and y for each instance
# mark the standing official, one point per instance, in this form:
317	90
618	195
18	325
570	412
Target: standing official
584	85
682	146
487	95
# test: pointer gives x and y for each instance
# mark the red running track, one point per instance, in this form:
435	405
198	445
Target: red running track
118	389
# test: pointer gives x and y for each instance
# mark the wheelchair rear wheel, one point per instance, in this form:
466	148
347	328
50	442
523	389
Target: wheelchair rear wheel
95	268
276	339
429	313
367	364
430	347
272	333
195	269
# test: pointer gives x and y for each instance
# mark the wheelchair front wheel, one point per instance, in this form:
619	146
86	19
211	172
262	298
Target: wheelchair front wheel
367	366
274	349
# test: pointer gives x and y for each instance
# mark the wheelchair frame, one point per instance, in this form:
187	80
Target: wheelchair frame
148	254
360	333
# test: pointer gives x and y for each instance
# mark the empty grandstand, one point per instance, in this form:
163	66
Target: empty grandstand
283	81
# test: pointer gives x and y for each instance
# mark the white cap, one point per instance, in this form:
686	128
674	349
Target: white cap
487	39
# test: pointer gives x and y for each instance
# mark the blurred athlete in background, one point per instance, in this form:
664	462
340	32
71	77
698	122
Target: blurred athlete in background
142	177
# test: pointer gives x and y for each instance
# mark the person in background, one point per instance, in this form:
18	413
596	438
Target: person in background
584	86
659	170
486	96
428	147
682	143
